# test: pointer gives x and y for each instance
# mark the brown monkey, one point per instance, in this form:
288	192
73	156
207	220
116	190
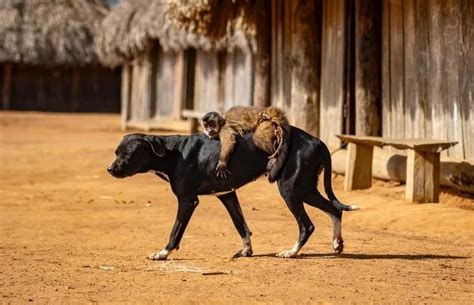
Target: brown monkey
269	125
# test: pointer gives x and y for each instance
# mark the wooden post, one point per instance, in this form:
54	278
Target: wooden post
146	86
305	57
358	167
180	85
135	102
422	176
261	93
367	68
125	95
6	88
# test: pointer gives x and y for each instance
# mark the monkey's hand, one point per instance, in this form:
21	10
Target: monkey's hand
221	170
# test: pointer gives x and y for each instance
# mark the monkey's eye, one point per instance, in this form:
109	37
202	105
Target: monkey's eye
212	124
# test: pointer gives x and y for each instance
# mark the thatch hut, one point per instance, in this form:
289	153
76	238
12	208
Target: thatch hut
398	69
47	57
166	70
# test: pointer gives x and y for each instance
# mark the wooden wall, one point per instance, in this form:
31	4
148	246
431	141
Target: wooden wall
238	79
296	61
428	68
425	82
206	83
65	89
333	71
222	80
157	85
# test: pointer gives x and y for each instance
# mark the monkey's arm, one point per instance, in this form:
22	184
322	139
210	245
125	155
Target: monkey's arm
227	138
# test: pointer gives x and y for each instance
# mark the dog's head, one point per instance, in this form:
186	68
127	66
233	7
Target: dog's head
135	154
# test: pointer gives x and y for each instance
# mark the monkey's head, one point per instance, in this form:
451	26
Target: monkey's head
211	123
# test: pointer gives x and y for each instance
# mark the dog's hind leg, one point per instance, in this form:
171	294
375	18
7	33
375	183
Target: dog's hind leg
305	227
295	204
231	203
315	199
186	208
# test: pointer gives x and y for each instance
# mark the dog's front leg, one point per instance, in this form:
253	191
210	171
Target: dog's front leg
186	208
231	203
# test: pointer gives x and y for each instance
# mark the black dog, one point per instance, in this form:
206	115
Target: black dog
188	163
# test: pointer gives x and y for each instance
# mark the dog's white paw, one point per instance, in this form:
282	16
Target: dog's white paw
338	245
162	255
287	254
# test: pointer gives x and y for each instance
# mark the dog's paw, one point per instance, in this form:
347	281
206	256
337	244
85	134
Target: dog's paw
160	256
246	252
338	246
287	254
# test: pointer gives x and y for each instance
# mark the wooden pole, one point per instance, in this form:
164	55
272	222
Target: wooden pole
306	65
180	85
367	68
146	86
135	102
261	93
6	88
125	95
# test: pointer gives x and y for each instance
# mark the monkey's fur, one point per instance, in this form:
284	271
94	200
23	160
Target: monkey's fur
269	125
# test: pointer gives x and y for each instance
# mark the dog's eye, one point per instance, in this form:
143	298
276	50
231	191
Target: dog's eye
116	152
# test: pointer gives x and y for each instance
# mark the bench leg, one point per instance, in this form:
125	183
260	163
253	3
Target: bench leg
194	125
358	167
422	176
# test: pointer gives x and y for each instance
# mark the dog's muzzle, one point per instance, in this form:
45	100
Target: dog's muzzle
116	171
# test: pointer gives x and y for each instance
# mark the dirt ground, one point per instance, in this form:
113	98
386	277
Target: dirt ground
69	232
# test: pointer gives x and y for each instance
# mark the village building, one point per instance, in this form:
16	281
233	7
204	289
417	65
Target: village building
397	69
47	57
166	70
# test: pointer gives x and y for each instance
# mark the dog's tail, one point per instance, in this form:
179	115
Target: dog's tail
328	182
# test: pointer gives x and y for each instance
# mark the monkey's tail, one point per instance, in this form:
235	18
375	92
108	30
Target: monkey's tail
328	183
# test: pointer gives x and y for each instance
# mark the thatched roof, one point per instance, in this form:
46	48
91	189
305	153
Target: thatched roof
134	25
214	18
50	32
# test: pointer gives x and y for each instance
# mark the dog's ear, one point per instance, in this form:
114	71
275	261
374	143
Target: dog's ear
156	144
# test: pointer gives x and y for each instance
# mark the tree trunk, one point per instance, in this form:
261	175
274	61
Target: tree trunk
458	174
367	68
261	93
305	60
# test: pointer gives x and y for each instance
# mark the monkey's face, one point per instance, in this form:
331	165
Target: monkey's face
212	123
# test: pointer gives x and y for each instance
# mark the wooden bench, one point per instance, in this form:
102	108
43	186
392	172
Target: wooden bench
423	164
194	117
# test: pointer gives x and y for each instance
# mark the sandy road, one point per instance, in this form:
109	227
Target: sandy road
71	233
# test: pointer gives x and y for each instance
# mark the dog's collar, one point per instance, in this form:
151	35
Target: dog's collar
162	175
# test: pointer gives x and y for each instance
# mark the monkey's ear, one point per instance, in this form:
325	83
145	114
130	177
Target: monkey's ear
156	144
221	121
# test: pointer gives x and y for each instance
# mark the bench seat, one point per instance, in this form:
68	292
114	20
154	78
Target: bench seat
194	116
